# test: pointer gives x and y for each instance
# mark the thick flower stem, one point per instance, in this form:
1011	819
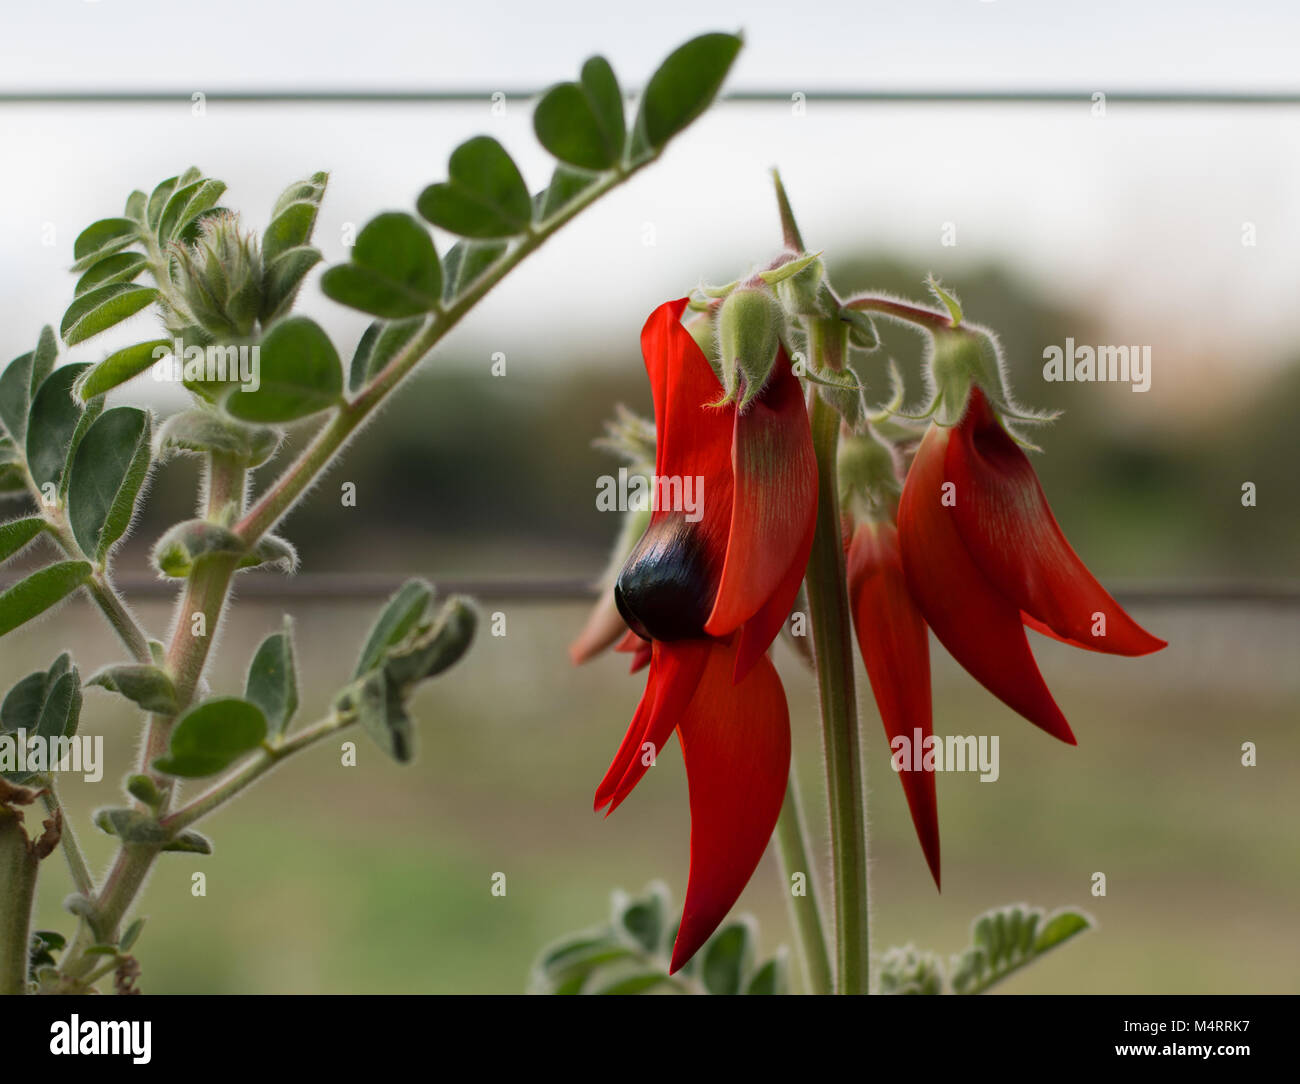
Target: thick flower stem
792	849
18	867
828	606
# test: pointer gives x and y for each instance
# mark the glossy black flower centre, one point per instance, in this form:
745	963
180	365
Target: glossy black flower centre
665	591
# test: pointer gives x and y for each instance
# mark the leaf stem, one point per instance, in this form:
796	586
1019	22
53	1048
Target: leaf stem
253	770
18	868
805	912
81	876
330	439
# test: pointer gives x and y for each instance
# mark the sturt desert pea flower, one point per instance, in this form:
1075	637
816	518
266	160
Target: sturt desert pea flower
891	633
984	557
708	595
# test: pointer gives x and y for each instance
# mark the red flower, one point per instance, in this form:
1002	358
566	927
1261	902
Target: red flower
983	557
895	647
709	591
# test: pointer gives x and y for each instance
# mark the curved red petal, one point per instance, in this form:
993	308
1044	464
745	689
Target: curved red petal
774	500
895	646
980	628
605	626
693	438
1009	531
757	634
675	671
736	745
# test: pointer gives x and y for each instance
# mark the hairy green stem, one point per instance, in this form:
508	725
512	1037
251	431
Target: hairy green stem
298	478
833	650
901	311
68	842
248	774
792	850
18	866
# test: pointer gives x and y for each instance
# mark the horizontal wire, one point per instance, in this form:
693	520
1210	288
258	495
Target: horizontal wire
843	96
343	586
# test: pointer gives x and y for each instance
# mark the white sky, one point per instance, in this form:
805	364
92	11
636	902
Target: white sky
1140	211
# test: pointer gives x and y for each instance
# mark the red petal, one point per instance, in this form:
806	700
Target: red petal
980	628
638	648
693	439
895	647
736	745
774	502
1011	534
757	634
604	626
675	671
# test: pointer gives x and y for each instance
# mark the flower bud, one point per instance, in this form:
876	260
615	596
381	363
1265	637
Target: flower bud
961	358
868	470
220	277
750	323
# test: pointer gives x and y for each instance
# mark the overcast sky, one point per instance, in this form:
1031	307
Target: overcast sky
1140	212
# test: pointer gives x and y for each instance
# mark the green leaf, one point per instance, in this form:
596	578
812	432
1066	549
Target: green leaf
394	271
290	228
131	936
101	239
136	203
682	88
465	264
187	203
564	967
728	957
19	382
376	700
283	278
273	552
147	686
189	842
142	788
158	200
273	681
380	343
484	196
311	190
120	267
300	375
772	979
1006	939
645	919
16	534
121	366
101	308
130	825
55	426
566	186
636	983
401	614
108	470
1059	928
213	736
435	646
582	123
39	591
176	553
201	431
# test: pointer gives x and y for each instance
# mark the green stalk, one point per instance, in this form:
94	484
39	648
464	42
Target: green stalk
17	896
828	606
805	913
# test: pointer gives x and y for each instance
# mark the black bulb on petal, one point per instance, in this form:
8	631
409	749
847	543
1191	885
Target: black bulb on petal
665	591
